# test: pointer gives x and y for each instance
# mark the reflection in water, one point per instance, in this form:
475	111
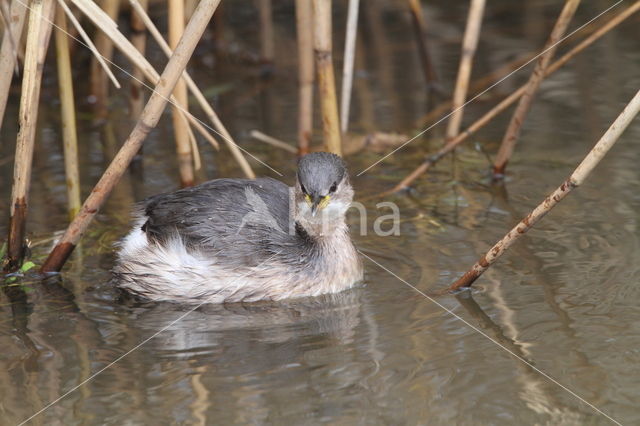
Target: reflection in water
533	384
272	340
195	359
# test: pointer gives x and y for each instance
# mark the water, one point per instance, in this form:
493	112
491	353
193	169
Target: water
565	298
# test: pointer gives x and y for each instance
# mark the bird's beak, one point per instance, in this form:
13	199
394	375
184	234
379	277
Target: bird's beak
314	206
319	203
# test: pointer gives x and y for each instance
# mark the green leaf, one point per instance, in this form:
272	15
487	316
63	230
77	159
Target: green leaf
26	266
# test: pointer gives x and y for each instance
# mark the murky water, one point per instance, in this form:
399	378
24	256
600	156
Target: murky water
565	298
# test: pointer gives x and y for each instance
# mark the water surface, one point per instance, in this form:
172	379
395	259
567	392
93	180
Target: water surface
565	297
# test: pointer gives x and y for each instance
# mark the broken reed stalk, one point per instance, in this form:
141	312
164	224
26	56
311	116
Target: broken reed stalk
180	127
149	119
267	46
106	24
469	45
420	31
204	104
347	66
67	106
104	45
87	40
476	87
38	35
202	101
258	135
17	15
326	78
139	40
576	179
507	102
517	119
304	32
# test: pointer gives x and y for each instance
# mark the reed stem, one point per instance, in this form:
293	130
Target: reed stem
136	88
38	36
469	45
8	56
87	40
349	59
326	77
304	31
267	46
576	179
139	40
420	31
180	126
106	24
511	99
99	84
69	136
149	119
202	101
258	135
515	125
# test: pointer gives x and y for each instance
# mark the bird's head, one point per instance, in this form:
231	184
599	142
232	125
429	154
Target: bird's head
322	191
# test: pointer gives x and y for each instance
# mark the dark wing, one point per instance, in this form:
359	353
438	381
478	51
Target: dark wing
241	220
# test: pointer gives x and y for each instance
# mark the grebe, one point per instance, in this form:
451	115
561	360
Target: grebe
233	240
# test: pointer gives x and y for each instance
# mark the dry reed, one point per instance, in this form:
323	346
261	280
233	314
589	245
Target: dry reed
347	68
68	112
267	42
202	101
180	127
104	45
258	135
304	31
8	56
326	77
139	40
87	40
38	36
420	30
576	179
149	119
106	24
507	102
538	74
469	45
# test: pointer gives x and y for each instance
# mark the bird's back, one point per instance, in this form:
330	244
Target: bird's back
242	221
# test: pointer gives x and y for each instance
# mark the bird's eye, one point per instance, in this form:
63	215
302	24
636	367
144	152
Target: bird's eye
304	190
333	187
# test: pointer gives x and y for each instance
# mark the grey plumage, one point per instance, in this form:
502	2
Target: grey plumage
319	180
209	217
188	245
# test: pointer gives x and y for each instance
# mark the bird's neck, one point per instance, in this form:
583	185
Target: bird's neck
321	230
